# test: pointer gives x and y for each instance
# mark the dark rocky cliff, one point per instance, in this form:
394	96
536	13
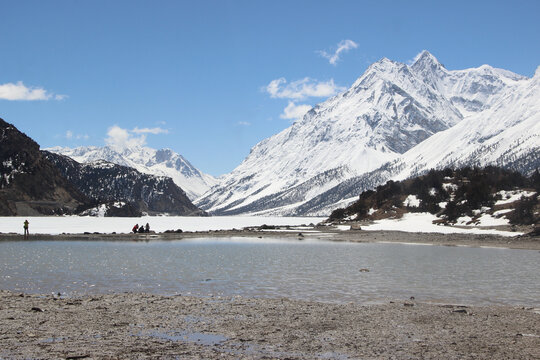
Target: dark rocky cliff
105	182
29	183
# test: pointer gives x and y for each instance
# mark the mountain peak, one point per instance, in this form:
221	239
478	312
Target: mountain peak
163	162
426	60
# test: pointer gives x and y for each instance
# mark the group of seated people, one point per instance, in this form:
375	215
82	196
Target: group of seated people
141	229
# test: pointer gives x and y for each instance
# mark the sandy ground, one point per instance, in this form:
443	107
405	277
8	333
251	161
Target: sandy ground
127	326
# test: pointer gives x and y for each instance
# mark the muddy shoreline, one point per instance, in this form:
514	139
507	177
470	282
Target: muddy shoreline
319	232
139	325
128	325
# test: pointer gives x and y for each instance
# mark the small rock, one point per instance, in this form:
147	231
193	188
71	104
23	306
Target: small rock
460	311
408	304
36	309
364	270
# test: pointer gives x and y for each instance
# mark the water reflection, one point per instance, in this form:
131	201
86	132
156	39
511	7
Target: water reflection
313	270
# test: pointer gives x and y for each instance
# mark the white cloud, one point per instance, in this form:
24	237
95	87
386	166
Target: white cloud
19	91
343	46
294	112
155	131
69	134
243	123
301	89
124	138
121	138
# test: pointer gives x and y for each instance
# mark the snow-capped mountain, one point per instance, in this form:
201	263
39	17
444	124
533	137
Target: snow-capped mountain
388	111
506	134
163	162
107	183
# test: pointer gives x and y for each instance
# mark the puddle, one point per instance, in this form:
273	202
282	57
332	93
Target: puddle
205	339
52	340
236	348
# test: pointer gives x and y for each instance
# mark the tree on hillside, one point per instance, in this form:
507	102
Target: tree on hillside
524	211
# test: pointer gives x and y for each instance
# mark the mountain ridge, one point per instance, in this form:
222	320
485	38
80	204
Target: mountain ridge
109	183
160	162
389	110
29	183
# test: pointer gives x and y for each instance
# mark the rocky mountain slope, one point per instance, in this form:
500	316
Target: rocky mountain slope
29	184
366	135
34	182
114	186
164	162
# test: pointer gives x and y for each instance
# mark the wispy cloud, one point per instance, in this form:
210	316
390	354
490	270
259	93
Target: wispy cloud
301	89
294	111
70	136
343	46
243	123
124	138
19	91
155	131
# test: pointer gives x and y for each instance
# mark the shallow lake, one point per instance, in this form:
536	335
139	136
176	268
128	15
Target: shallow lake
310	270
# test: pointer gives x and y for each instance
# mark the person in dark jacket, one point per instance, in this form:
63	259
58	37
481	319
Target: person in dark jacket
25	227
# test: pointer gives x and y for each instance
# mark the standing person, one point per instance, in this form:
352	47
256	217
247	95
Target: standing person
25	226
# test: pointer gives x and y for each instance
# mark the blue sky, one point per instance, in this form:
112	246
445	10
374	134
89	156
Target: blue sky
210	79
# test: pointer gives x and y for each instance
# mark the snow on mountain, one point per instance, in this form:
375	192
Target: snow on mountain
388	111
163	162
507	134
110	184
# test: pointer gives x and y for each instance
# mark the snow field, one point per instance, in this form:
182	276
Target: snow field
423	222
79	224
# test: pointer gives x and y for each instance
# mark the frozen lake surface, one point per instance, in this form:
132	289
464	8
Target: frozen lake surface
309	269
413	222
81	224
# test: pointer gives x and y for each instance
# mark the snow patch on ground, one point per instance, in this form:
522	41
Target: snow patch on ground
489	220
412	201
463	220
502	212
511	196
423	222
